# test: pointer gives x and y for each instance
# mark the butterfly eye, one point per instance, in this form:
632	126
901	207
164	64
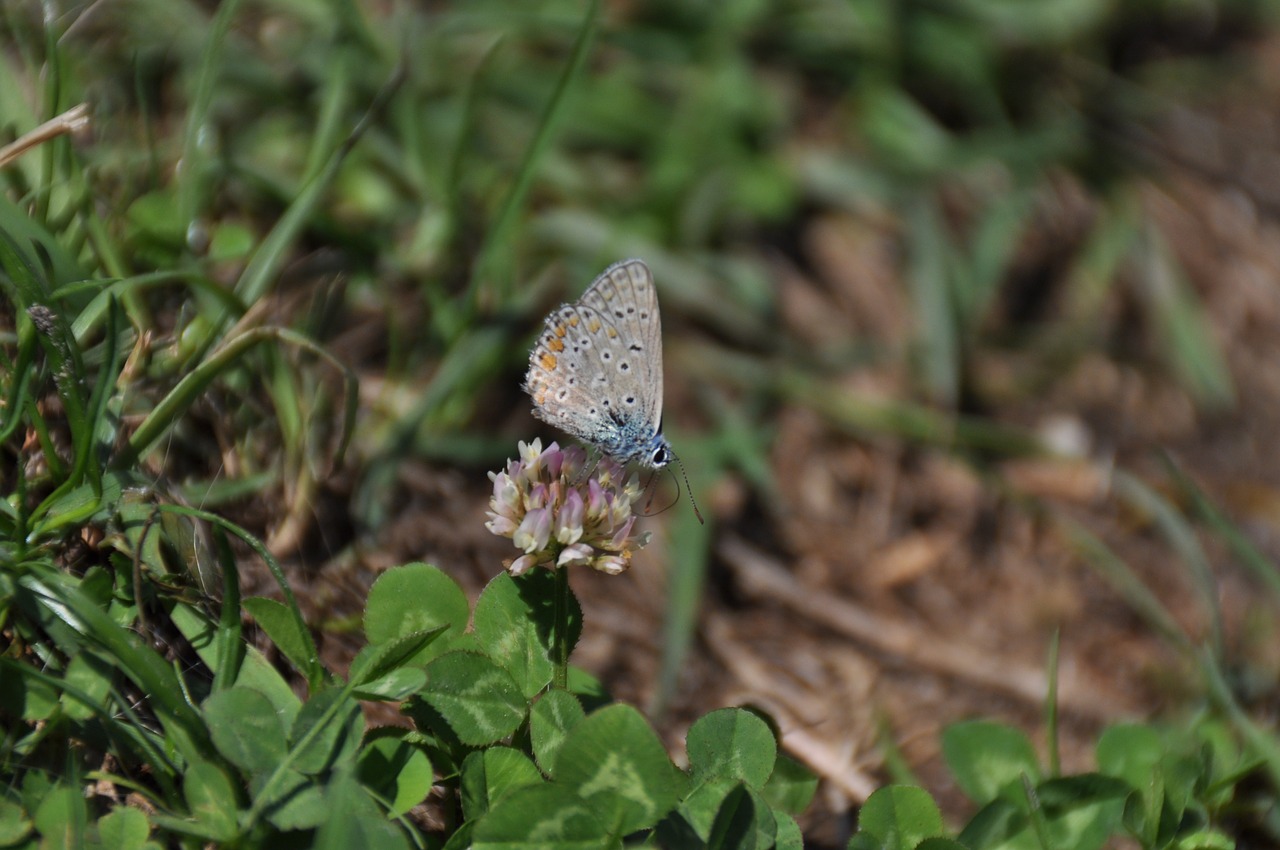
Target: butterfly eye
660	457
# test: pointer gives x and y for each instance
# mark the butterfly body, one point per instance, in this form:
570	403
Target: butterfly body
596	370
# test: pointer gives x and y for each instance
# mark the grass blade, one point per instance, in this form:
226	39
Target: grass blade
936	335
166	413
1182	537
184	727
1249	555
496	245
1124	581
191	190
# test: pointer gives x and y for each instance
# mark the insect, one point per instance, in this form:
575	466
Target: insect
596	371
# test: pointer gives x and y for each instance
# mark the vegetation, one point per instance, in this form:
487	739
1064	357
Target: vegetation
290	246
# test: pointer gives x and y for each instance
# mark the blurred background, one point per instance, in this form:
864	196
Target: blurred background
971	313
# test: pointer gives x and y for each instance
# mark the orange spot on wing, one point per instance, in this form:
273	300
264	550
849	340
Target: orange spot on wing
612	333
548	361
594	325
573	321
560	331
555	345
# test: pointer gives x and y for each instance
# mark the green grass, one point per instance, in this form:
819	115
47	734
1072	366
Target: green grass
177	283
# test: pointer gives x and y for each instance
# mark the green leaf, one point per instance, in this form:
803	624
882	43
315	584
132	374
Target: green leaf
294	801
31	234
732	743
230	241
489	775
986	757
97	585
476	697
379	659
61	819
256	672
616	762
1143	814
550	721
789	836
154	217
75	506
125	828
462	837
14	823
588	689
898	817
1086	826
1163	779
1065	793
543	817
690	824
791	786
1205	839
93	677
397	771
354	821
327	731
415	598
30	698
283	628
1131	752
514	625
211	798
245	728
995	823
396	685
894	121
744	822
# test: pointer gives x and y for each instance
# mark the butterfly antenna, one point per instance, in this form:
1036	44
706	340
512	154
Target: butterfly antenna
650	487
692	500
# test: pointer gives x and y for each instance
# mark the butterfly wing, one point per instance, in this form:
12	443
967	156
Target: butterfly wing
596	371
625	295
565	378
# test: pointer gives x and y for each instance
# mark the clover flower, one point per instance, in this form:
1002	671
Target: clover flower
560	517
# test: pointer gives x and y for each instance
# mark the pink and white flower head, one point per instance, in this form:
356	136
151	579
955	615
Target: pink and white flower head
558	517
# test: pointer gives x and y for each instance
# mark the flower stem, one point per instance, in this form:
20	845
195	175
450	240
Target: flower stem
560	620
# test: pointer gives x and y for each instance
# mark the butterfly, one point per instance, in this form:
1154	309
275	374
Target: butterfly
596	370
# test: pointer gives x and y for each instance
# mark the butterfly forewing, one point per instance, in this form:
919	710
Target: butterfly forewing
624	294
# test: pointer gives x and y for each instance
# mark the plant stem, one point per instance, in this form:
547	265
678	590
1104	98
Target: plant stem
560	644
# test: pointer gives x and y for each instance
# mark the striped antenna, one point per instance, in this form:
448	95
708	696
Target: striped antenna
692	500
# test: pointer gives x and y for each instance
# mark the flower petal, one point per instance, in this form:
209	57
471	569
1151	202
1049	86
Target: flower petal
612	564
533	531
501	526
569	518
522	564
579	553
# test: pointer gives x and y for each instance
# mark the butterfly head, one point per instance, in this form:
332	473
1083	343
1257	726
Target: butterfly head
658	454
